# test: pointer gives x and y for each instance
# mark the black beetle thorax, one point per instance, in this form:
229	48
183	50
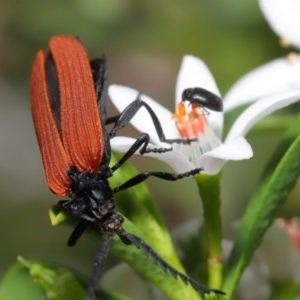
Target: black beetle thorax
91	196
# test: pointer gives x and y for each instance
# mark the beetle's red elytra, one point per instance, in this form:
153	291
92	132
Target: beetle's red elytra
79	140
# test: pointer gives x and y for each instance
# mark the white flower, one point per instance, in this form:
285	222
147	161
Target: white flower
282	74
208	151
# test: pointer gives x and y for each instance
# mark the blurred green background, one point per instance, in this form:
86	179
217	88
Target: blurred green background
144	42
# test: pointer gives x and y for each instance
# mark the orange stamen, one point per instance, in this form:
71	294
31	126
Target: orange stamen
190	124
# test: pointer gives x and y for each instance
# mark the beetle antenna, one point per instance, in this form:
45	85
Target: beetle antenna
129	238
98	267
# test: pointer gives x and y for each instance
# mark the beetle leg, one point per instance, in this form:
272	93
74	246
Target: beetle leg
162	175
78	231
141	142
130	111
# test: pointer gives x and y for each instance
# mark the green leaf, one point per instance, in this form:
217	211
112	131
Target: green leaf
57	283
18	284
286	289
290	135
261	212
29	279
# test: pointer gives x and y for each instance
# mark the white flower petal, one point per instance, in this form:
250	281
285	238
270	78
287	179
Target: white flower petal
276	76
283	17
122	96
122	143
216	120
194	73
236	149
259	110
173	158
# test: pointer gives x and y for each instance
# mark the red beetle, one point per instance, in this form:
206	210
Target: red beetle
69	102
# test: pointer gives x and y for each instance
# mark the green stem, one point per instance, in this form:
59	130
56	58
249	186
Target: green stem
209	190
